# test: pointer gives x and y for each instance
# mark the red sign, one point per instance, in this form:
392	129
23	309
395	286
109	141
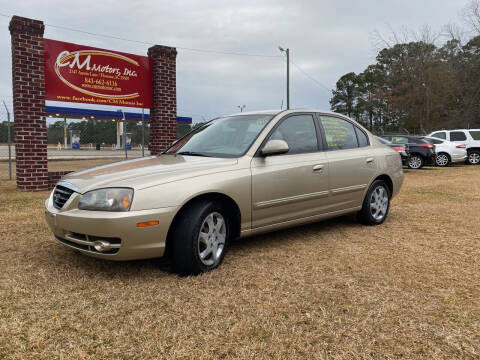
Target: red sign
77	73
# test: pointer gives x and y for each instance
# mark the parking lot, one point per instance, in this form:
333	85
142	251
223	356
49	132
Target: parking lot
331	290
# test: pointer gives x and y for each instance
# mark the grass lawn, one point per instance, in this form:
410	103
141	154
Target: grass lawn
408	289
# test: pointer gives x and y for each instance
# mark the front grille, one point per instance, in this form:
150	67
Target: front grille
60	196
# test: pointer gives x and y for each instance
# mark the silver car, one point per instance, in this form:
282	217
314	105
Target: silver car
233	177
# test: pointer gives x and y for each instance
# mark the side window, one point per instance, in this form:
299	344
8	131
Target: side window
362	137
475	135
399	140
299	133
440	135
339	133
457	136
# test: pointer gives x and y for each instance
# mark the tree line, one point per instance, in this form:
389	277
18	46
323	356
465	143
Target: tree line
417	86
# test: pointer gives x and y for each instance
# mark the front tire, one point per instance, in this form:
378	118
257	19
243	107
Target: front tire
200	238
415	162
442	159
376	204
474	157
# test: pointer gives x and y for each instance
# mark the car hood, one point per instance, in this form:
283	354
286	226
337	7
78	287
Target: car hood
146	172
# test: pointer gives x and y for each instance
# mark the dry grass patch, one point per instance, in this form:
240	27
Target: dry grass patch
409	289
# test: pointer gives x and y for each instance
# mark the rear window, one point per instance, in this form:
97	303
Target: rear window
434	141
457	136
418	141
475	134
399	140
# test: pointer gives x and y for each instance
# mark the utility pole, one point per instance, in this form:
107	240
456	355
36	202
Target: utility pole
287	51
9	143
241	107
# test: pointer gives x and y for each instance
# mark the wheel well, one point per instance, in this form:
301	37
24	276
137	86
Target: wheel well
388	181
230	206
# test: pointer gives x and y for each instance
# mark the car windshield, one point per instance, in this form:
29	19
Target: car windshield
229	136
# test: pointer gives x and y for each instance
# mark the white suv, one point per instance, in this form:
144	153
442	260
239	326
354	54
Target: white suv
470	137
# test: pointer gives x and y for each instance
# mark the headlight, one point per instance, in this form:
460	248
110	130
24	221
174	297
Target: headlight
119	199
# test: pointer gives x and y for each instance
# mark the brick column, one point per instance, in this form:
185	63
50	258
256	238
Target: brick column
163	114
29	104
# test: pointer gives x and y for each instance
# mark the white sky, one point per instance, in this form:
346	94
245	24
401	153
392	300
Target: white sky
327	39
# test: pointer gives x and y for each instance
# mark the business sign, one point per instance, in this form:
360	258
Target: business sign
82	74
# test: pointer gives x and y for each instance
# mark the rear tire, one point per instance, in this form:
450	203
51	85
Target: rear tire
473	157
200	238
415	161
442	159
376	204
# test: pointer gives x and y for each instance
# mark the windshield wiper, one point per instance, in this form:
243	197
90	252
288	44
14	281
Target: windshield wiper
191	153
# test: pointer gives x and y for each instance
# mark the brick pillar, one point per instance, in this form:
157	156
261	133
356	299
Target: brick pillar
163	114
29	104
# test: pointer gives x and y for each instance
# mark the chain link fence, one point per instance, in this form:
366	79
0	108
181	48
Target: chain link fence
91	138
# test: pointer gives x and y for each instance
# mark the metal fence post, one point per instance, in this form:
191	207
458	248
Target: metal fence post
143	134
125	135
9	143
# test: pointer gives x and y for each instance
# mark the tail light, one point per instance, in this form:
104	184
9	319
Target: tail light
399	148
461	146
428	146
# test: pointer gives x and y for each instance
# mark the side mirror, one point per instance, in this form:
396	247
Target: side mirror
274	147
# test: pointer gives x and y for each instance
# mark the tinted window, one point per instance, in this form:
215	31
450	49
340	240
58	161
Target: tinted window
440	135
299	133
415	140
475	135
340	134
457	136
362	137
383	141
399	140
434	141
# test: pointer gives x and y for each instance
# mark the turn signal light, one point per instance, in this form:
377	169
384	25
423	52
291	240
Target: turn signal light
461	146
147	223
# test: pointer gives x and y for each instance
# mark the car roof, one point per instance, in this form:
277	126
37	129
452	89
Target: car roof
455	130
277	111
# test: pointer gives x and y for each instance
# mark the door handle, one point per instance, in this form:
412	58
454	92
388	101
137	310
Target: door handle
370	160
318	168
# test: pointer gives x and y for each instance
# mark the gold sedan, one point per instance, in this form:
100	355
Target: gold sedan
235	176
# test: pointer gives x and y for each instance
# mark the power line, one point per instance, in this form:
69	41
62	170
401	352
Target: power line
151	44
324	87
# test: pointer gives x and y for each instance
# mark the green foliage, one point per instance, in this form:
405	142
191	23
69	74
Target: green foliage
415	86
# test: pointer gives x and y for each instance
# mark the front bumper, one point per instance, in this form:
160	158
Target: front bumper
79	229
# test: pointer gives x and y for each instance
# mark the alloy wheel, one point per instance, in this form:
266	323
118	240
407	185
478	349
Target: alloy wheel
379	203
415	162
211	239
474	158
442	160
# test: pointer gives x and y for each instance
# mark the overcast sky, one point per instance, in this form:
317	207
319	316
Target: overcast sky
327	39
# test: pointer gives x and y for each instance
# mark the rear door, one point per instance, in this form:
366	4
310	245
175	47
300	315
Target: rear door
293	185
351	161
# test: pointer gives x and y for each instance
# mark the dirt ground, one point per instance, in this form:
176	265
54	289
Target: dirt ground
408	289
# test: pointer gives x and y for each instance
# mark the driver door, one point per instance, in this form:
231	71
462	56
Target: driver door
293	185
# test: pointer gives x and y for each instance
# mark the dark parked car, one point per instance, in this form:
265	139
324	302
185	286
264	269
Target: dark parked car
420	152
400	148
